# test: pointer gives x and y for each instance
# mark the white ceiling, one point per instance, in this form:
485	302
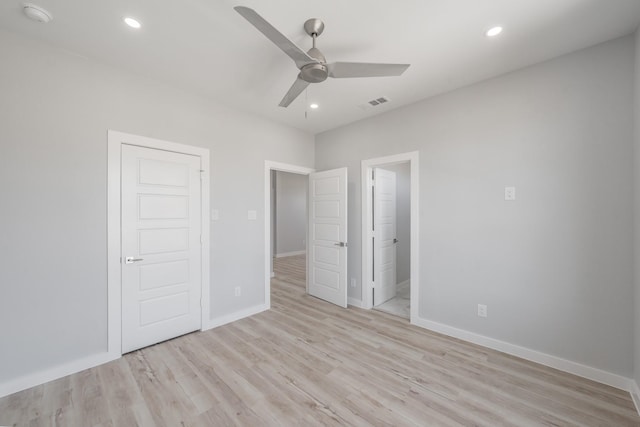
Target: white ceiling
206	47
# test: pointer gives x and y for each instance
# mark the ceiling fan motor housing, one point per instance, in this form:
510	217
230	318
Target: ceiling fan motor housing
316	72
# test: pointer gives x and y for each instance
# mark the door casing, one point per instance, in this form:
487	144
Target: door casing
115	140
366	210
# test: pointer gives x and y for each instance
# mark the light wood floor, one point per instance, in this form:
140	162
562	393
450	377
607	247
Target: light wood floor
306	362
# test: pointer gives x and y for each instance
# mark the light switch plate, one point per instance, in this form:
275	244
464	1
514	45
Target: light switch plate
509	193
482	310
252	215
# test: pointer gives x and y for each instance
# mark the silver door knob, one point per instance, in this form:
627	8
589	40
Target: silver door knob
341	244
395	240
131	260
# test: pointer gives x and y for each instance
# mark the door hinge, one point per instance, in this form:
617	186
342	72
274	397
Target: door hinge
202	171
373	174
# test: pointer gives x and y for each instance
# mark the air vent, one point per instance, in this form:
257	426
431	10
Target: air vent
378	101
375	103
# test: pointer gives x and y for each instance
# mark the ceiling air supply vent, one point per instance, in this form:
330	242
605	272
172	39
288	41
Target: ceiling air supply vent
378	101
375	103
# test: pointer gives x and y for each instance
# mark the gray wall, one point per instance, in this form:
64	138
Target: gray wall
403	220
636	216
55	110
291	212
555	266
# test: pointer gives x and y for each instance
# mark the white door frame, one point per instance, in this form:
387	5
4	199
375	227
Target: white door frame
268	167
367	249
115	140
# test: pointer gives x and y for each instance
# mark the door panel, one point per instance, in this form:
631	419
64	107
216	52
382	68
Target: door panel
164	274
384	219
327	230
163	207
161	232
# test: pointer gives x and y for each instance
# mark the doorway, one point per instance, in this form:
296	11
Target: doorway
289	227
390	234
326	232
291	254
391	240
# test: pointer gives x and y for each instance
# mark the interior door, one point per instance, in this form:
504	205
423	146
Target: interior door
384	236
161	249
327	242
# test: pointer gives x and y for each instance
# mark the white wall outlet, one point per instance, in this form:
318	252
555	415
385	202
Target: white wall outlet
482	310
215	214
252	215
238	291
509	193
353	282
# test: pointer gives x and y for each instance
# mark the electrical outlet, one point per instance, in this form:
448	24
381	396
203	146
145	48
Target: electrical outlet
353	282
238	291
482	310
509	193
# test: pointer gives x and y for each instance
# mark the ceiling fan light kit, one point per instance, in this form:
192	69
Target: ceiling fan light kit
312	64
36	13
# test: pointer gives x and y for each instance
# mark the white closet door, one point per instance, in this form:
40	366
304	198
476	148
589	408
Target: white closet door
161	249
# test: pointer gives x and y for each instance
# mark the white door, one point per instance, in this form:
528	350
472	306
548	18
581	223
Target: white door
161	249
327	242
384	236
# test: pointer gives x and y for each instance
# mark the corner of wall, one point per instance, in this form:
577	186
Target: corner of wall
635	395
636	221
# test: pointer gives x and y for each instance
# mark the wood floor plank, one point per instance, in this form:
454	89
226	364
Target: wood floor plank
307	362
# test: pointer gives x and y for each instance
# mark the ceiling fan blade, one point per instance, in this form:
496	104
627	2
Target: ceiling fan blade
287	46
343	70
296	89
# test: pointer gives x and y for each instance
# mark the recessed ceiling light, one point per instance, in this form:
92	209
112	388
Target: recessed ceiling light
492	32
132	22
37	13
313	106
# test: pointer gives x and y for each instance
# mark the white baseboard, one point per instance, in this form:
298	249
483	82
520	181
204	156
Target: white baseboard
41	377
635	395
286	254
355	302
559	363
223	320
406	282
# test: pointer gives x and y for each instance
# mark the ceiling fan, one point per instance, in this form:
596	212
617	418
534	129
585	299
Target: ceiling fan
312	64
